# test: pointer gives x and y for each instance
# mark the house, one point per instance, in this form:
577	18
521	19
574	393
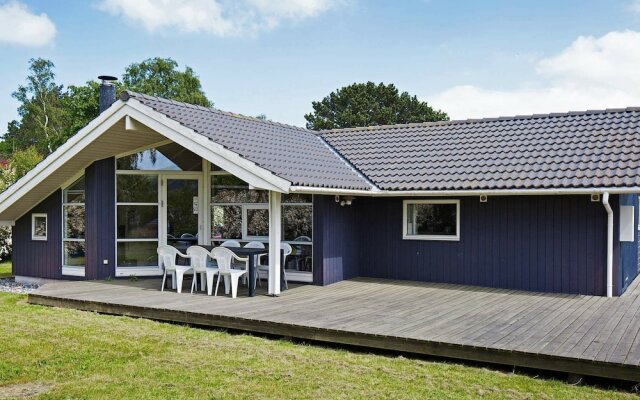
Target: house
542	203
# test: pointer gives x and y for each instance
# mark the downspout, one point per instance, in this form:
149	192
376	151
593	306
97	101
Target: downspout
605	202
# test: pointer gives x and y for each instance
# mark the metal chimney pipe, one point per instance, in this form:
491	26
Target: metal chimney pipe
107	91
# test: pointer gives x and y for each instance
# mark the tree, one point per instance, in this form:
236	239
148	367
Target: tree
367	104
161	77
41	113
50	114
18	165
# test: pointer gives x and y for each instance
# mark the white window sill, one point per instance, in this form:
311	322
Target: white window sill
73	271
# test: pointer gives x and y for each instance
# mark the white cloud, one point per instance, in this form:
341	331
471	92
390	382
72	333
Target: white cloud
217	17
592	73
19	26
635	6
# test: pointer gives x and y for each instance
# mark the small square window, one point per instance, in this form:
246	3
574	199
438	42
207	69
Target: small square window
431	219
39	226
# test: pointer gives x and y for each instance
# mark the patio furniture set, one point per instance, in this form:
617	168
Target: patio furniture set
229	262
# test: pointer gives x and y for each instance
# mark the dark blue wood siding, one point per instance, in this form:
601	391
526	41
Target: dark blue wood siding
538	243
34	258
628	263
335	241
100	219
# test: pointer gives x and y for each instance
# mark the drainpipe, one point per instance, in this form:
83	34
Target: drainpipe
605	202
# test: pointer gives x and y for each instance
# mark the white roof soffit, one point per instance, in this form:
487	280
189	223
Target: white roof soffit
161	126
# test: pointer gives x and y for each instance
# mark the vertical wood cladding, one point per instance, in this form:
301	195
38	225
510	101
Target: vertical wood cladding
335	241
537	243
36	258
100	219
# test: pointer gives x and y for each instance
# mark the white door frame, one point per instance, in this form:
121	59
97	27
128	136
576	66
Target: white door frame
164	177
162	215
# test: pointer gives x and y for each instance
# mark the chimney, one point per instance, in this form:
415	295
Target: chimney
107	91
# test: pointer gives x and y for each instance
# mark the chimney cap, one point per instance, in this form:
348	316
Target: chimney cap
107	78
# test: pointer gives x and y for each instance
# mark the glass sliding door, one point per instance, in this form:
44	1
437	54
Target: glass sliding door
137	222
158	201
182	211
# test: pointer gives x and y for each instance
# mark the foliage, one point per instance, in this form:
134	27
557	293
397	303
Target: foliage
50	114
79	354
18	165
161	77
42	117
5	248
367	104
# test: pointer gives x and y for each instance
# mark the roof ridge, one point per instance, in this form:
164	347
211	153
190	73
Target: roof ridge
125	95
476	120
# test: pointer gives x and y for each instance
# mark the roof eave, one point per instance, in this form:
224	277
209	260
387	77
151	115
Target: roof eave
445	193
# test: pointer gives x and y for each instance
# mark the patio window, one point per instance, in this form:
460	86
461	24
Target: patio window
39	226
431	219
73	215
242	213
137	220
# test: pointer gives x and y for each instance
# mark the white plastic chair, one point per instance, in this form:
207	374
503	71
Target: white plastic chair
167	257
287	250
224	257
230	243
257	263
199	263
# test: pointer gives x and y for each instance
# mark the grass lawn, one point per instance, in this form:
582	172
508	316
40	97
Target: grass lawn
85	355
5	268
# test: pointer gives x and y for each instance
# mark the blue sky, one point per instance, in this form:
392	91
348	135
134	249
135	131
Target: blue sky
472	59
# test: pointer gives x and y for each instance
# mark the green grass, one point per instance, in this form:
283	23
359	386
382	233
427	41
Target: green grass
85	355
5	268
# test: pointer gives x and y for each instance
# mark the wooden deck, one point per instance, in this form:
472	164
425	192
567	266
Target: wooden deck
576	334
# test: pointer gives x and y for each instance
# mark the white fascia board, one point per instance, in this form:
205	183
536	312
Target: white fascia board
441	193
64	153
208	149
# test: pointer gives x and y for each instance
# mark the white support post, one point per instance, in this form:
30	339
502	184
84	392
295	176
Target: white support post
275	228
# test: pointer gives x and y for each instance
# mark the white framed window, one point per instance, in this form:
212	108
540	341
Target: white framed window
73	227
39	226
255	221
437	219
241	213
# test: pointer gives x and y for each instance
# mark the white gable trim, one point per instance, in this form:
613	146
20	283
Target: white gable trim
235	164
64	153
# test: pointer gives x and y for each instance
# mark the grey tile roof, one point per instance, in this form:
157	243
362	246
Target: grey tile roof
572	150
295	154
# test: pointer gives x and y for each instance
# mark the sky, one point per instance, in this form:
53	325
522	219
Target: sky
471	59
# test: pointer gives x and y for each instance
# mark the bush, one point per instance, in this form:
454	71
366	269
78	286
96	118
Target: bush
5	242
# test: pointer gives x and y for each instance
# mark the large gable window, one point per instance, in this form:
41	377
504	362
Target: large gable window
431	219
168	157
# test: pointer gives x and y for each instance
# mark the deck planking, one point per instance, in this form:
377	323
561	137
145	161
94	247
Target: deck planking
570	333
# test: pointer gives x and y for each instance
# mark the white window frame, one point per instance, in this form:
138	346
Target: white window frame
75	270
33	226
406	236
245	208
292	276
